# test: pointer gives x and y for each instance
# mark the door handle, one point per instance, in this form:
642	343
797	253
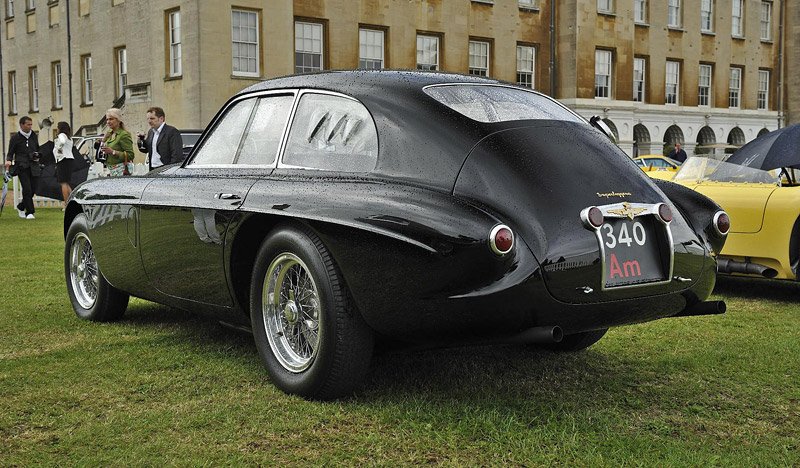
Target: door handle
228	196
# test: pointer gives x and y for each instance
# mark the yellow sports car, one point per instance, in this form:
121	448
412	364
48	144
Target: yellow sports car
658	166
764	209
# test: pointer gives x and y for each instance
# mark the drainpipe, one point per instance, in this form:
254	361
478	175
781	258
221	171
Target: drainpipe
781	113
69	68
553	49
2	101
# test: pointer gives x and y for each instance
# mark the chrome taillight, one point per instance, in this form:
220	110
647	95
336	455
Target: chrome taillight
501	239
592	217
664	212
721	223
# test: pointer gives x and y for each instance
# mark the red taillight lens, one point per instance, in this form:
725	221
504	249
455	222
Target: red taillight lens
501	239
595	217
722	223
665	213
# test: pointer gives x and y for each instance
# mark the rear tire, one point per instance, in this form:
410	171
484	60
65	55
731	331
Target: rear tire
576	341
92	297
311	339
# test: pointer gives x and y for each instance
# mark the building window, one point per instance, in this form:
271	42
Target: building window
30	5
427	52
12	92
53	14
33	82
640	11
370	49
735	87
88	91
707	15
602	73
479	58
766	21
605	6
674	13
532	4
672	87
639	70
121	66
704	86
737	26
174	23
10	9
307	47
526	58
244	36
58	101
763	89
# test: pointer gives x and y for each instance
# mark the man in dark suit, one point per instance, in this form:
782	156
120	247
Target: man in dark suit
677	153
163	143
23	151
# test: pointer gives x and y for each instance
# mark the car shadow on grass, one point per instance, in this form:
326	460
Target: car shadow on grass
756	288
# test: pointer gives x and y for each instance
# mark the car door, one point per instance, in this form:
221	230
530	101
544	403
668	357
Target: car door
185	212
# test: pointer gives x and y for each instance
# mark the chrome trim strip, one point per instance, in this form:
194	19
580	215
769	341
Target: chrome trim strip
492	244
633	210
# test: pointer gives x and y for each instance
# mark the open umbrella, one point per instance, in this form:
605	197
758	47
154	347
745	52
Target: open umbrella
6	178
779	148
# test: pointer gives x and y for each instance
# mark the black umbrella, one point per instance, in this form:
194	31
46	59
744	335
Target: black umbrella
779	148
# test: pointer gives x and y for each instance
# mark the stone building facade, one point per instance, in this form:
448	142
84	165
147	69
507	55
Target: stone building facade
190	56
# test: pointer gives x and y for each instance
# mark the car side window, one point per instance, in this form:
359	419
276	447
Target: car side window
332	133
221	144
263	138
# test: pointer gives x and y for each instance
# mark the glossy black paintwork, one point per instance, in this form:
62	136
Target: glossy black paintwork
410	238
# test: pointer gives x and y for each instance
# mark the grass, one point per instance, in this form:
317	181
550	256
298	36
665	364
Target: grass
165	387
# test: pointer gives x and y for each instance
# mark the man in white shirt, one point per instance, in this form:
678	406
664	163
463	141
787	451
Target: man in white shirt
163	143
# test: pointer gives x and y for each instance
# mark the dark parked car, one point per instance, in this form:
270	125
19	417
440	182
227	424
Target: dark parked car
328	211
189	138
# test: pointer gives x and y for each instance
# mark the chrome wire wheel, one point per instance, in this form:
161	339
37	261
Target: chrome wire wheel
292	312
83	272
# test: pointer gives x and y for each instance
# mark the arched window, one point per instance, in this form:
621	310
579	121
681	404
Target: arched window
735	137
705	137
641	140
612	127
763	131
673	135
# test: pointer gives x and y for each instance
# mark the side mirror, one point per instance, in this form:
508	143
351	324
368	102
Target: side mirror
597	122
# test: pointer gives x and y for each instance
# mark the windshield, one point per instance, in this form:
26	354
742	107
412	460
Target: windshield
487	103
699	169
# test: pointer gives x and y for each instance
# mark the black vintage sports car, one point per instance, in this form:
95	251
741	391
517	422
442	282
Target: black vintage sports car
328	211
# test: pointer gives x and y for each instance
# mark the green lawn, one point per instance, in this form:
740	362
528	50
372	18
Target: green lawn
165	387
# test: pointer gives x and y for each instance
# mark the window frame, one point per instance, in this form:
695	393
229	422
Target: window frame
87	81
120	70
737	22
476	70
361	56
9	9
707	16
57	84
605	7
532	71
766	24
428	36
13	104
175	47
762	100
677	83
609	76
640	11
707	87
313	23
735	92
257	43
674	7
33	88
643	81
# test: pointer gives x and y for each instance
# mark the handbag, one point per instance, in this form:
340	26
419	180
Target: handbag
12	171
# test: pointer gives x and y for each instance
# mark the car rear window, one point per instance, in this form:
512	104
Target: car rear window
486	103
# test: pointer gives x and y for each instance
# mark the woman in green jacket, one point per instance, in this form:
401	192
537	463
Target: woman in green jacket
117	145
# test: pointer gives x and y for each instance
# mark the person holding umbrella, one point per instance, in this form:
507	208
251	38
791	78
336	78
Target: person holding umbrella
64	159
23	150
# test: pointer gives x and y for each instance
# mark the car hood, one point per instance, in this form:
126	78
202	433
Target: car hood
541	176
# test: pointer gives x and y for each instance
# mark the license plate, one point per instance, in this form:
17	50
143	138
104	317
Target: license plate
632	251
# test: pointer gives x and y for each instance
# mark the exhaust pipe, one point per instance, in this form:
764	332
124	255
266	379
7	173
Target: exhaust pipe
551	334
725	265
703	308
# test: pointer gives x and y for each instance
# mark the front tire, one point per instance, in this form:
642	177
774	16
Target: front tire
576	341
311	339
92	297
